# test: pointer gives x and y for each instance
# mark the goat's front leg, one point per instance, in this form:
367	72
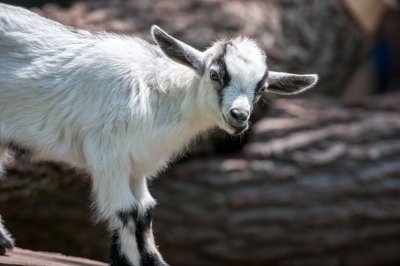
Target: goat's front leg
129	218
149	253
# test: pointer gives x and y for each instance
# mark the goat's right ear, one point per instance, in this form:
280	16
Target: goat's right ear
288	84
178	51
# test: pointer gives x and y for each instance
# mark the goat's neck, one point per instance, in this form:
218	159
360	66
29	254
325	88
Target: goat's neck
178	107
174	117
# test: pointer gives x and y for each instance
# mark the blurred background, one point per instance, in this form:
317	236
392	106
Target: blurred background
315	181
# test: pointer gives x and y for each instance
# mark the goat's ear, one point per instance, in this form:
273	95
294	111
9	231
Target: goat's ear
177	50
287	83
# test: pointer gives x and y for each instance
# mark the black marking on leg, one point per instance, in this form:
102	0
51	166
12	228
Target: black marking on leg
6	240
143	227
141	230
124	216
117	259
261	82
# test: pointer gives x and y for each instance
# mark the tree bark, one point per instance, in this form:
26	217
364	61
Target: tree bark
23	257
317	184
25	179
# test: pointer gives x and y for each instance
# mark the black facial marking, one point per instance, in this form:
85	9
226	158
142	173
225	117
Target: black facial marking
223	72
117	259
226	78
260	84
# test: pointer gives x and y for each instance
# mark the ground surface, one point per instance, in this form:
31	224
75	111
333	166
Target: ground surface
24	257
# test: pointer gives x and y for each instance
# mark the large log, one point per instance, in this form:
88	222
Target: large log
23	257
317	184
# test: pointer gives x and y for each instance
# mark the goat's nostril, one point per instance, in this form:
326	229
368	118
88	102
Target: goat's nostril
239	114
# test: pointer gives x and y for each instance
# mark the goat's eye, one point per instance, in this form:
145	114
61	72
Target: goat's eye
261	90
258	94
214	75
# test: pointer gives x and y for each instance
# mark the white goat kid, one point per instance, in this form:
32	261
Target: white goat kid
120	108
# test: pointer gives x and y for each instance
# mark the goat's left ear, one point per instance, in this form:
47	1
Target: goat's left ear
287	83
178	51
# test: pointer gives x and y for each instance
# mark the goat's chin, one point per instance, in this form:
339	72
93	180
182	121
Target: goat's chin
231	130
238	132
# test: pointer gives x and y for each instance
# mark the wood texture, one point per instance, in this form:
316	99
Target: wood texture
24	257
317	184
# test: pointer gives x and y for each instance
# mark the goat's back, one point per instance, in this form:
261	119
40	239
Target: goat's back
62	88
54	84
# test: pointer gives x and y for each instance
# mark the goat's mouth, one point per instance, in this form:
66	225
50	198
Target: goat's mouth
237	130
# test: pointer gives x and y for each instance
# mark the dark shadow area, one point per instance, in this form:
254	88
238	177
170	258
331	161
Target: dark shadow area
37	3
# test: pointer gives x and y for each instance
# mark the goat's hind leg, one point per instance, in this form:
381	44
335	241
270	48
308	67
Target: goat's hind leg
6	241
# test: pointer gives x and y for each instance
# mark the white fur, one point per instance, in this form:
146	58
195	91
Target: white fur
113	105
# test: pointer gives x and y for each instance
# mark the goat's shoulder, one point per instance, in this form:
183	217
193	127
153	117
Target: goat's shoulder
127	48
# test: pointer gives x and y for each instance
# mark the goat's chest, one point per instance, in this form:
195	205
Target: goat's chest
154	151
162	142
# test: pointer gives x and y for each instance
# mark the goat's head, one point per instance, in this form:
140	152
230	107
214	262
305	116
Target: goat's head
233	75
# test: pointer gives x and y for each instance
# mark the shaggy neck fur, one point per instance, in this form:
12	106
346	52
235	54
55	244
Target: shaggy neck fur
173	114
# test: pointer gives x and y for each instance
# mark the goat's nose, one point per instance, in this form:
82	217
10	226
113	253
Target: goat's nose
239	114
